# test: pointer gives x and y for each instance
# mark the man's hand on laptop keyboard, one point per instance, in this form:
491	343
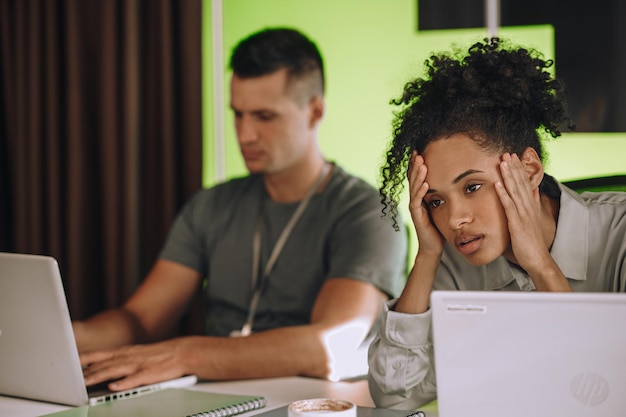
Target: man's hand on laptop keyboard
131	366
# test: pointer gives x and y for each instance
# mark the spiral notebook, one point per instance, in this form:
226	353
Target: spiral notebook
171	402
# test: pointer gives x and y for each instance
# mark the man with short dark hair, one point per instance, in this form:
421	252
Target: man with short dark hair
294	257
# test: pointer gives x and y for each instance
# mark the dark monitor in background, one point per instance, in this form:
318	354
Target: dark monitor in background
589	47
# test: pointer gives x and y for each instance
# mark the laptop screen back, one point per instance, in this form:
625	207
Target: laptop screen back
38	356
529	353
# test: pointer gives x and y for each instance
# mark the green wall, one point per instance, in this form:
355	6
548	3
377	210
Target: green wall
586	155
371	48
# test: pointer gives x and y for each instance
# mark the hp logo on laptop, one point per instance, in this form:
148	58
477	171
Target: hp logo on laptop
589	388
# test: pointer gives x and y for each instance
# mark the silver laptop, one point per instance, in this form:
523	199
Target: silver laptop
38	355
529	354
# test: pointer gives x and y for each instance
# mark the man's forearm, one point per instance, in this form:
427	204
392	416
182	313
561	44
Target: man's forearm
109	329
280	352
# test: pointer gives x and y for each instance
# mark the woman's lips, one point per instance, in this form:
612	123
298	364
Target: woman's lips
467	245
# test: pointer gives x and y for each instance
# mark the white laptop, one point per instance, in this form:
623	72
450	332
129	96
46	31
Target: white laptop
525	354
38	355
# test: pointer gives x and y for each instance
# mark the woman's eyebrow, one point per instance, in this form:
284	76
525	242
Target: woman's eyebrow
457	179
465	174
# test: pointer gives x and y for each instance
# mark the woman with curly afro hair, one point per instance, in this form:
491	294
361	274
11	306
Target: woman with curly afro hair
468	137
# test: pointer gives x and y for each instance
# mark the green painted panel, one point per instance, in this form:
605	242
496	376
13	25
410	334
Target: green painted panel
371	48
577	156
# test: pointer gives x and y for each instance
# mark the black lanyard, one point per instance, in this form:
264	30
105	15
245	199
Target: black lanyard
278	247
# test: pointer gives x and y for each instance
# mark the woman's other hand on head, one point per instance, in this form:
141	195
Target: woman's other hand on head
522	205
428	236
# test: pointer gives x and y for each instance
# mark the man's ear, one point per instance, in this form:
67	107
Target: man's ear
317	108
533	166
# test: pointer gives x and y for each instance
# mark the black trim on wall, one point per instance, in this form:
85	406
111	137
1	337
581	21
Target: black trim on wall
589	41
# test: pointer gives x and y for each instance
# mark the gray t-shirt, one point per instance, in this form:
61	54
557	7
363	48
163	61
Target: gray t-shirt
340	234
589	247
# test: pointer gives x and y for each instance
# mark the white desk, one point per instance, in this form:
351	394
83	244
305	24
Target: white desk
278	391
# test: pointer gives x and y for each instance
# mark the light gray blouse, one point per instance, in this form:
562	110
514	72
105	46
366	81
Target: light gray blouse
589	247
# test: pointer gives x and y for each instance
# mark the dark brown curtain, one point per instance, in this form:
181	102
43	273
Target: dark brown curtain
100	135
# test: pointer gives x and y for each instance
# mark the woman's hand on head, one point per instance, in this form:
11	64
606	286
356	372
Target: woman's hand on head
430	239
530	226
416	294
522	205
